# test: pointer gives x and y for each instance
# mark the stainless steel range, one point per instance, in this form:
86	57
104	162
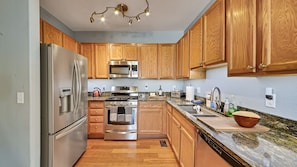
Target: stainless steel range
121	113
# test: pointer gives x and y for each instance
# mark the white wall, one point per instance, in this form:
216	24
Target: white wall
250	91
19	71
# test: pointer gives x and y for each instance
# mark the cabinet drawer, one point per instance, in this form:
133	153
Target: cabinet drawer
96	104
96	128
94	112
149	104
96	119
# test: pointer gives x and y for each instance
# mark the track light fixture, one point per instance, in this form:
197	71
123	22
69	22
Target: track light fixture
121	9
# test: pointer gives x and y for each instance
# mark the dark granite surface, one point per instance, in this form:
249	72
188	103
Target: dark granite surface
275	148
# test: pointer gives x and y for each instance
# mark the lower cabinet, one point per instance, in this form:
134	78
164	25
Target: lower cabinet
96	119
168	121
150	119
183	139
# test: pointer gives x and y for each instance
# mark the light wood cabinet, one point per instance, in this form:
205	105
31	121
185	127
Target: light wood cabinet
51	34
123	52
70	43
166	62
196	45
254	44
241	36
101	59
96	119
175	137
277	31
148	61
214	34
183	62
87	50
183	138
168	121
150	118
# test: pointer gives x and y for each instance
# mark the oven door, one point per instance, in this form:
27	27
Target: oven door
120	123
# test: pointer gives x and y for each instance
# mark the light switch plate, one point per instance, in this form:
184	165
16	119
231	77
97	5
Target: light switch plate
198	90
271	103
20	97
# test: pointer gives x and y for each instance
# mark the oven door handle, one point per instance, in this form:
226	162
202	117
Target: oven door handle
120	132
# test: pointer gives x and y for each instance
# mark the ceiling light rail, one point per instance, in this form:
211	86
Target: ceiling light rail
121	8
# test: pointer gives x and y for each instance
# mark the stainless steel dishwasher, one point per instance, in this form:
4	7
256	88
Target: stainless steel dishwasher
209	154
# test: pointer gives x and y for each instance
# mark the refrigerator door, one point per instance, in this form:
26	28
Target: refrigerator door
61	88
68	144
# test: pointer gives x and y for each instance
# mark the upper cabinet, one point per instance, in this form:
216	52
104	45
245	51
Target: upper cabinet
166	61
148	61
182	61
123	52
87	50
241	36
214	34
70	43
101	59
278	35
51	34
196	33
261	37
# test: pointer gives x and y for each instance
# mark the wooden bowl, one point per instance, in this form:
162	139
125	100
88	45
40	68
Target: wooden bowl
246	119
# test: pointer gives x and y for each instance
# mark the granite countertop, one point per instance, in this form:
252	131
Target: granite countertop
273	148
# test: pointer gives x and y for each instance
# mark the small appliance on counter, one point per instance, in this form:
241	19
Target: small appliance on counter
177	94
96	92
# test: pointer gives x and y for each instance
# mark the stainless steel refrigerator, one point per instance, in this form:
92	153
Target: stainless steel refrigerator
64	106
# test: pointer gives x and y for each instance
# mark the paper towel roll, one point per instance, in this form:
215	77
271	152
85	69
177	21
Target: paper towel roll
189	93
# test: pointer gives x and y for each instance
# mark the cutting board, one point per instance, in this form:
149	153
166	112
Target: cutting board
228	124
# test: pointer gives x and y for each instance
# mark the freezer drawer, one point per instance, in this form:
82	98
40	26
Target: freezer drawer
68	145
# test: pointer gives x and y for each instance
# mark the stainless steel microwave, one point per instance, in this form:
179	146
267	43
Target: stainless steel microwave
123	69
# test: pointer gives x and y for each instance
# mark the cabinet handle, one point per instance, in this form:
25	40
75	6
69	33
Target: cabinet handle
96	127
249	67
261	66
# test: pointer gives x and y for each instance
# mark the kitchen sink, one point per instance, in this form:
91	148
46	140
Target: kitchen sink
203	113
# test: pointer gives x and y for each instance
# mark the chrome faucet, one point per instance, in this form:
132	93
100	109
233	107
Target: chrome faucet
217	101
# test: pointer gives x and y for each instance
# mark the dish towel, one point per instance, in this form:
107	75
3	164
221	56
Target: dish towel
113	114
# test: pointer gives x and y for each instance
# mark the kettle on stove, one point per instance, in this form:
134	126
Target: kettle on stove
96	92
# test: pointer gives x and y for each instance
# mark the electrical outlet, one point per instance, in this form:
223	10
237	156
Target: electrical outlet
173	87
271	102
198	90
146	87
103	87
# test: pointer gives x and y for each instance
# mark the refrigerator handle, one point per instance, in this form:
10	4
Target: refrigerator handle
70	129
76	86
79	83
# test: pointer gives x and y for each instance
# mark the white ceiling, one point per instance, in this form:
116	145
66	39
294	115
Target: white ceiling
165	15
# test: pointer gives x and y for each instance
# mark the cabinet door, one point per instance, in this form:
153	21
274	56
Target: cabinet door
214	34
279	48
70	43
175	137
101	61
115	51
196	56
187	148
52	34
186	57
130	51
145	119
87	50
179	59
166	63
148	61
241	36
168	121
